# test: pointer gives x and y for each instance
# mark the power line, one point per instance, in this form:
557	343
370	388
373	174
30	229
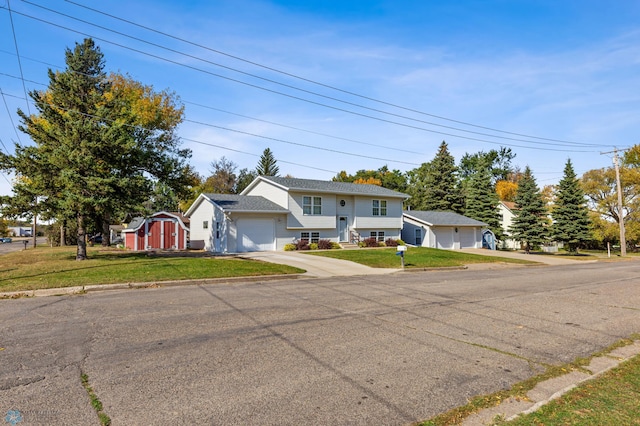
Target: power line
302	130
556	143
10	119
313	81
301	144
15	42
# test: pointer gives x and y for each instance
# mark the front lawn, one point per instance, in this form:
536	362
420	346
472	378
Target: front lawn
415	257
46	267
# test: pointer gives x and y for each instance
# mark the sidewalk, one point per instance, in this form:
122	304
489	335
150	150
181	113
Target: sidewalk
547	259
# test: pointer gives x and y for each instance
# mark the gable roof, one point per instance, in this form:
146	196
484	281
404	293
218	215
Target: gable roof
311	185
442	218
509	205
138	221
244	203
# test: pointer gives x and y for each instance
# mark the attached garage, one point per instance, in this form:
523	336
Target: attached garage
256	234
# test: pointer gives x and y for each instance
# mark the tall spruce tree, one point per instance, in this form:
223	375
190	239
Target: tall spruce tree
100	143
530	221
434	185
570	215
267	165
481	201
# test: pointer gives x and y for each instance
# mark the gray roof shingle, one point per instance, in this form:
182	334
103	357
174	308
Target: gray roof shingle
442	218
312	185
244	203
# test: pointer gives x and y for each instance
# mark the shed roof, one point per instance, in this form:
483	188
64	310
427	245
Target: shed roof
312	185
442	218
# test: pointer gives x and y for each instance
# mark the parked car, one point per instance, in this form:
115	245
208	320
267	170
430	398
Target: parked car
5	240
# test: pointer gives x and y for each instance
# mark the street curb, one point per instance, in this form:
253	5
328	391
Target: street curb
64	291
551	389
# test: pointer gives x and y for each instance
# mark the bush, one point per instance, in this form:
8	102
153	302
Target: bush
335	246
303	245
325	244
392	242
290	247
370	242
313	246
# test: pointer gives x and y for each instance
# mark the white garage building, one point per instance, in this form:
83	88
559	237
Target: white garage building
444	230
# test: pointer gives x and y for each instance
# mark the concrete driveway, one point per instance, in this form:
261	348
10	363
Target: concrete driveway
318	266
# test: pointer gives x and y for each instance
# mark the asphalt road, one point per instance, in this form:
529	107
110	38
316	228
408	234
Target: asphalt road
383	350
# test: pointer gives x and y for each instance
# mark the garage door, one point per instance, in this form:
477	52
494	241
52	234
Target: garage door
468	238
444	238
256	235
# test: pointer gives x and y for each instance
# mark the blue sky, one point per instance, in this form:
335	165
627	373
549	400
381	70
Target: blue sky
349	85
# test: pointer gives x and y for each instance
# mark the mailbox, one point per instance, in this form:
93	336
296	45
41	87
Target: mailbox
401	248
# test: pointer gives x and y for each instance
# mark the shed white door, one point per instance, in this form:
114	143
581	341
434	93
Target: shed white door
256	235
444	238
468	237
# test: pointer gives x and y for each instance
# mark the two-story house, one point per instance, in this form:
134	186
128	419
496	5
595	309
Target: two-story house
274	211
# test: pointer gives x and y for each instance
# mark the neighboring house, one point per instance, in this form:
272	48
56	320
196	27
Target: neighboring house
20	231
274	211
440	229
506	209
160	231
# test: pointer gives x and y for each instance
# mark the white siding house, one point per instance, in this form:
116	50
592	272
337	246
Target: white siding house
506	209
274	211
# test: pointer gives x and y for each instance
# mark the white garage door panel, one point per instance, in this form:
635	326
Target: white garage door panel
444	238
467	238
256	235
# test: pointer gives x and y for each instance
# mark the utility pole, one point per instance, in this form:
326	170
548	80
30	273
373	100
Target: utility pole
623	240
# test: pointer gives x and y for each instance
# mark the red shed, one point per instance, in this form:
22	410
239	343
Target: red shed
160	231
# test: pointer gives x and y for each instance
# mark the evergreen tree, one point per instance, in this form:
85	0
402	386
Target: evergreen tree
434	185
530	221
100	143
481	201
267	165
570	215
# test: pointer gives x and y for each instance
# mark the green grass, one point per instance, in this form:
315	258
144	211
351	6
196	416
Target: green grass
46	267
610	399
415	257
105	420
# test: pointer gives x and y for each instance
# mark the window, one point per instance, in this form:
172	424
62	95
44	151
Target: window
418	236
205	224
218	230
311	237
311	205
379	208
378	235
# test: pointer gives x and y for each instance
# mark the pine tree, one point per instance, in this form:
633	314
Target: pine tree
530	221
481	201
267	165
100	143
570	216
434	185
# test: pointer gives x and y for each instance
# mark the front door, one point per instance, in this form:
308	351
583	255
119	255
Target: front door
343	229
